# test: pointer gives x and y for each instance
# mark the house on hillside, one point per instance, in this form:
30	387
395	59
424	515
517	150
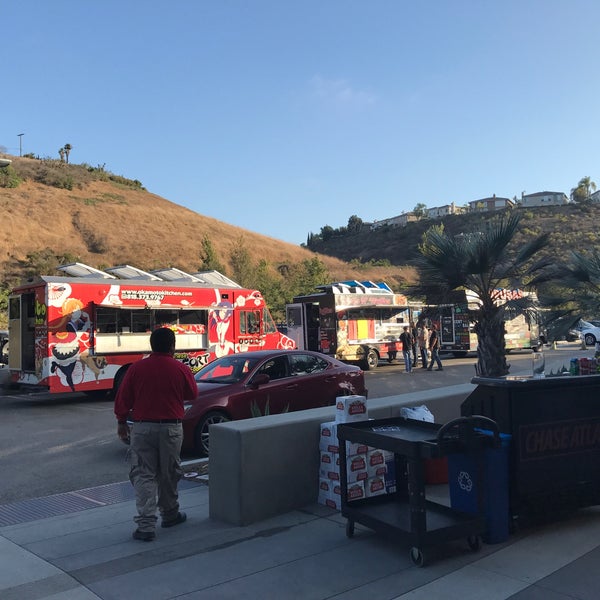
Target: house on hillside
543	199
595	197
399	221
441	211
490	204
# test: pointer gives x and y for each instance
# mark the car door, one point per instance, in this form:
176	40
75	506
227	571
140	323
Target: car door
280	394
317	380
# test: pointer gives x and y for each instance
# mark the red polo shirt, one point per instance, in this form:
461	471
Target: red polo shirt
154	389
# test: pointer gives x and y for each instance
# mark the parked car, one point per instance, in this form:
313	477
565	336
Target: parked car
589	332
251	384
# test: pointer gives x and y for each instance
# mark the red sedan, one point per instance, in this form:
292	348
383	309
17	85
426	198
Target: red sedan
252	384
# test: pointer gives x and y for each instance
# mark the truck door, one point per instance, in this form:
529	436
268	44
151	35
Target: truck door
21	332
294	316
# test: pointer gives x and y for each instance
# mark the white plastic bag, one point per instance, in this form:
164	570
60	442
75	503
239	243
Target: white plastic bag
419	413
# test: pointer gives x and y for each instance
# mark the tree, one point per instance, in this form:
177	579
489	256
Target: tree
241	263
67	148
354	224
327	232
420	210
584	189
573	292
208	256
61	153
481	262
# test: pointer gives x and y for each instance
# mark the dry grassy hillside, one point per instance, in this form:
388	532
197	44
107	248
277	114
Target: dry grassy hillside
106	223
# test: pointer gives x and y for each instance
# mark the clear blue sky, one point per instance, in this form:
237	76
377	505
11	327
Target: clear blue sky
283	116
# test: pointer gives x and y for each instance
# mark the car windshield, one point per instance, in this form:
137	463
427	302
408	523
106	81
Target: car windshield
228	369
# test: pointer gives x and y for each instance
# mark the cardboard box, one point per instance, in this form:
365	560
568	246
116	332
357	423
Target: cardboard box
390	475
349	409
375	487
325	487
355	491
328	440
376	465
356	468
329	465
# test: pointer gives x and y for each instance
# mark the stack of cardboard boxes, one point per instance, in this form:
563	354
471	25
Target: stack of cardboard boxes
369	471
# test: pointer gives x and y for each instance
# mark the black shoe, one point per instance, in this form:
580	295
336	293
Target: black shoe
429	368
180	518
144	536
439	369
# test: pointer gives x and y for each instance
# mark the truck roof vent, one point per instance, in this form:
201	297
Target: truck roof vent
129	272
173	274
216	279
78	269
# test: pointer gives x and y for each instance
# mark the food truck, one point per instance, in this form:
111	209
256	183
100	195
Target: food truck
80	331
356	322
456	327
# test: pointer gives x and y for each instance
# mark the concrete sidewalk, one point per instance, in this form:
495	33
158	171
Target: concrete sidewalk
78	546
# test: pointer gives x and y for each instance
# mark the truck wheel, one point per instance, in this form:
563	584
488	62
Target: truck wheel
371	361
590	339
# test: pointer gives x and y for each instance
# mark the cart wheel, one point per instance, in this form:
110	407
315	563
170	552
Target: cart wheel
474	542
417	556
349	528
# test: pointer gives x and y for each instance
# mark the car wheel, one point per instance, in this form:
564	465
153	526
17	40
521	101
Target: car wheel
590	339
201	434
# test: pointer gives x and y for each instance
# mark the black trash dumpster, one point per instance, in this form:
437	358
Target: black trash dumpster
554	460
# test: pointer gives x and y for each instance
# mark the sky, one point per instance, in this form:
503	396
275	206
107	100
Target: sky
282	116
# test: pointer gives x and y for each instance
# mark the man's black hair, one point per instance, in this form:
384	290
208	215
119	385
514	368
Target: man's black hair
162	340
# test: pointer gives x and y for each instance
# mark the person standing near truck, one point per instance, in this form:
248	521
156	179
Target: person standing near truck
406	340
422	339
152	394
415	345
434	347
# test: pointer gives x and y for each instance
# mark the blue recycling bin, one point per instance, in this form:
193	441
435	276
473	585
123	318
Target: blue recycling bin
469	475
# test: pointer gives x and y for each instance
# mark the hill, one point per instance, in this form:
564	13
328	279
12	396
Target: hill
61	213
571	227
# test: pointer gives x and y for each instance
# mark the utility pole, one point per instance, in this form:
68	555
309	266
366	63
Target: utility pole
20	136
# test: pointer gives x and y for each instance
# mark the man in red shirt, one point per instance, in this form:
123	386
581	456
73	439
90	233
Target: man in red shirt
152	394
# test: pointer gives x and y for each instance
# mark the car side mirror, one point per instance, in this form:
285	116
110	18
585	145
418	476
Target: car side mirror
259	379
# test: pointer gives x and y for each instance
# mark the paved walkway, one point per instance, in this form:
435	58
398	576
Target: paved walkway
78	546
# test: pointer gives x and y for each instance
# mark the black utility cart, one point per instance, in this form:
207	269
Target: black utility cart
407	513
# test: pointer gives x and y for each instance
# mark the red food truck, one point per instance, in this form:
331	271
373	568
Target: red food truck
80	332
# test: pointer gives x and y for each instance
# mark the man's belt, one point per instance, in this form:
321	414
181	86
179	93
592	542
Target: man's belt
157	421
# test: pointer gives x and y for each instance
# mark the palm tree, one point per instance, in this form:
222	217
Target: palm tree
67	148
584	189
573	292
481	262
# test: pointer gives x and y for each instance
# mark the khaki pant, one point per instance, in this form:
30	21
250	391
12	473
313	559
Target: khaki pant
155	471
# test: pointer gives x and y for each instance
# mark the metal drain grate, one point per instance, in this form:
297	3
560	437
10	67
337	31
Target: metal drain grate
111	493
70	502
41	508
